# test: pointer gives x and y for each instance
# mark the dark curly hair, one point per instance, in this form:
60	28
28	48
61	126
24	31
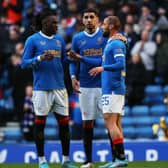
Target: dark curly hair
37	22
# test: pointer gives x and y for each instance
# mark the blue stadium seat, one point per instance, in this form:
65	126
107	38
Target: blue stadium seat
144	132
99	122
165	90
127	111
13	134
158	110
153	90
51	122
100	133
51	133
127	121
140	110
142	121
167	120
158	80
155	119
129	132
156	99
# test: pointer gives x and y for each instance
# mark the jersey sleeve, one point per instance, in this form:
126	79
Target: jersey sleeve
63	53
74	45
119	52
28	59
92	61
73	66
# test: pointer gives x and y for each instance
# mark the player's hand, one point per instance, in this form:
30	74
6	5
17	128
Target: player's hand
47	56
74	56
96	70
76	85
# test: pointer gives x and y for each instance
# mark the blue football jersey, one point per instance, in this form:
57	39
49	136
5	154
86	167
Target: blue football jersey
113	61
47	75
88	46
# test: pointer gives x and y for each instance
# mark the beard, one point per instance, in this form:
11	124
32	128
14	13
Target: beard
106	34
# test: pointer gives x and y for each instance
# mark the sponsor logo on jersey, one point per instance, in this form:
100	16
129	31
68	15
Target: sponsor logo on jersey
92	52
56	53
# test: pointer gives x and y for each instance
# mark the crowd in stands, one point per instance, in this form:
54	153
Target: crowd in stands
145	24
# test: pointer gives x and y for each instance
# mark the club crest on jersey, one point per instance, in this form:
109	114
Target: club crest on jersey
58	43
99	40
43	43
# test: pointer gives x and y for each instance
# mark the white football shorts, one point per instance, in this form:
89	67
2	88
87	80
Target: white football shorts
50	101
113	103
90	103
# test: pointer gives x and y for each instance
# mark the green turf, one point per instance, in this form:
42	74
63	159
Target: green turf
160	164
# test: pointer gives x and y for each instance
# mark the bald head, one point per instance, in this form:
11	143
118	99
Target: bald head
114	20
111	25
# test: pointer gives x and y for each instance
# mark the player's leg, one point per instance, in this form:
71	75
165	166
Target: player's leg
112	116
88	105
117	139
112	147
115	134
41	111
64	135
87	142
61	113
119	124
39	125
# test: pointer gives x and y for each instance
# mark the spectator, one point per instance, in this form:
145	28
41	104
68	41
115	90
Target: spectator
12	39
162	56
131	36
145	14
27	124
13	10
6	101
134	83
146	50
151	26
19	79
162	21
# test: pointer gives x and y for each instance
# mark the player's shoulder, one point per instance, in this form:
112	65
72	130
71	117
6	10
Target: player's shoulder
119	38
100	30
58	36
118	42
79	35
33	37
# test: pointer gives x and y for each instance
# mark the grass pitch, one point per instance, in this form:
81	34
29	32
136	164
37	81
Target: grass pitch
142	164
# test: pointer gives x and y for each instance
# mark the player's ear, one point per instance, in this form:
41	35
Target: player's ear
111	26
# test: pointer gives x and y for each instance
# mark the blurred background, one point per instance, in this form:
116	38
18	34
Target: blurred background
144	23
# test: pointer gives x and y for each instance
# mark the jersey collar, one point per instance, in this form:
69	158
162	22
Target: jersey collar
48	37
91	35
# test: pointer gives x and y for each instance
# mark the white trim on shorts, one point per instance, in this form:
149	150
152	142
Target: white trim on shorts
50	101
90	103
113	103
